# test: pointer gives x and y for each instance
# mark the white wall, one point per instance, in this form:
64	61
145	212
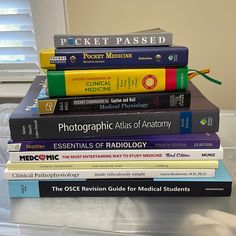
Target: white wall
207	27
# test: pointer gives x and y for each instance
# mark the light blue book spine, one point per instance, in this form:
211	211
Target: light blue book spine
24	188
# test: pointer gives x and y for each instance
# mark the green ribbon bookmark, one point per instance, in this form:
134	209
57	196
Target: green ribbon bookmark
205	76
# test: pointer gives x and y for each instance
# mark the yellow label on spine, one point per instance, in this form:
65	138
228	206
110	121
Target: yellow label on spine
91	82
47	106
46	56
113	164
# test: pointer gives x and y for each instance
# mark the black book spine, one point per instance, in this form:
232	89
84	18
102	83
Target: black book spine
123	102
118	188
109	124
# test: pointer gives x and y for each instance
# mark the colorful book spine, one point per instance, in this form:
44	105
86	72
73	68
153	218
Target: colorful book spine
213	164
220	185
177	141
150	37
106	174
123	57
26	124
115	81
117	155
116	102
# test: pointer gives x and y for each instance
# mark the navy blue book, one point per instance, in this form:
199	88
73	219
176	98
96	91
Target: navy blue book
125	57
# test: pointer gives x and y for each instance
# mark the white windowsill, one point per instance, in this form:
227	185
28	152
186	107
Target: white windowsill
13	90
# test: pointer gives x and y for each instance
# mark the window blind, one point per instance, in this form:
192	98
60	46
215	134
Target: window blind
18	52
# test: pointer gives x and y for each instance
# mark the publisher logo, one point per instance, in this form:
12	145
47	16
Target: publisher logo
49	106
149	82
206	121
203	121
158	57
73	59
173	57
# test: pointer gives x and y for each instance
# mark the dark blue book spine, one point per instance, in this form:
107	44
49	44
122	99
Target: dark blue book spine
141	57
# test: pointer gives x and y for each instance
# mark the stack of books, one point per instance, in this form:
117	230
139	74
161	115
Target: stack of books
115	115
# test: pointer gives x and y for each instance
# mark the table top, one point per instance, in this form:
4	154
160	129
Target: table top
126	215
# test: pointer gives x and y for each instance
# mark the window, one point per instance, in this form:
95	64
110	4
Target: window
26	26
18	52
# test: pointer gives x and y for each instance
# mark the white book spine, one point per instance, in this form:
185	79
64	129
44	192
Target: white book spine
117	155
107	174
